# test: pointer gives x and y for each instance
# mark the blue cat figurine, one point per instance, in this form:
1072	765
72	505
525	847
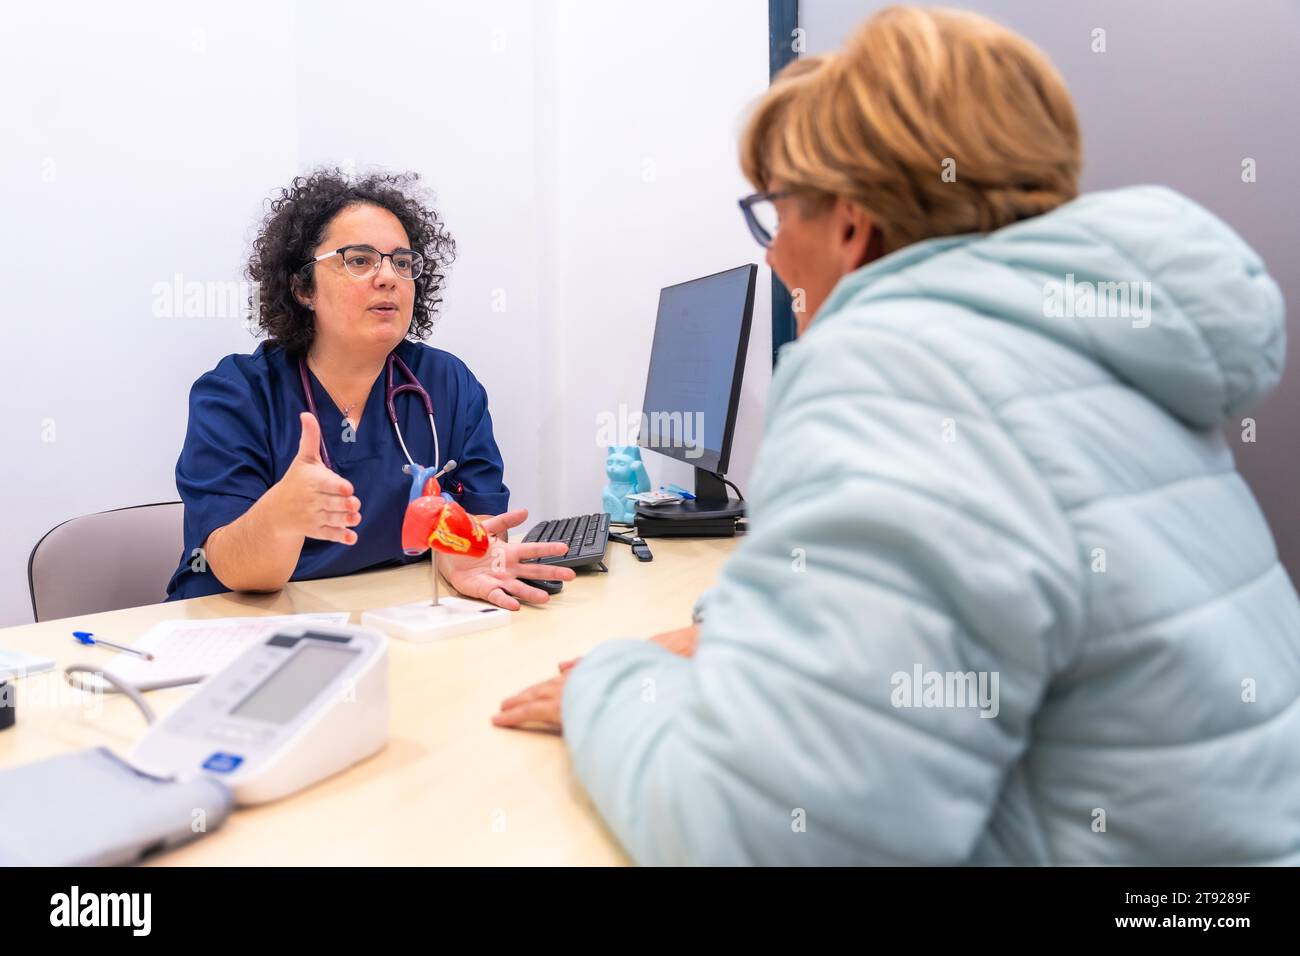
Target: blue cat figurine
627	475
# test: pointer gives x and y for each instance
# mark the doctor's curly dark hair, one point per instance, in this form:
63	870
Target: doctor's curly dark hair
295	225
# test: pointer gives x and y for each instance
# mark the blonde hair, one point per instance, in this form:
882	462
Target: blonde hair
913	93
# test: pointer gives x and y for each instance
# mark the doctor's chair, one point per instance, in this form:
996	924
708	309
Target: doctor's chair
106	561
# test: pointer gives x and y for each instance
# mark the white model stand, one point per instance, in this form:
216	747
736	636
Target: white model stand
422	621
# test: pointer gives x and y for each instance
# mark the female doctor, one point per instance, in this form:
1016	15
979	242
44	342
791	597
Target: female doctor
292	462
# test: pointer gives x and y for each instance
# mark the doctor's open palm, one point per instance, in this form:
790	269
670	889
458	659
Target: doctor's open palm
495	575
312	500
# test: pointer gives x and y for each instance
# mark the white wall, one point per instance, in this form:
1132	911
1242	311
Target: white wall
583	155
134	148
650	100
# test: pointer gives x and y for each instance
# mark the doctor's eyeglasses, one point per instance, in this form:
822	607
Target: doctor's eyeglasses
364	261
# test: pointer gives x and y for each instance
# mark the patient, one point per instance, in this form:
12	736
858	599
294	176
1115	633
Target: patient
1005	597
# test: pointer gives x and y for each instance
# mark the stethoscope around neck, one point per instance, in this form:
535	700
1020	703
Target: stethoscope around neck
412	384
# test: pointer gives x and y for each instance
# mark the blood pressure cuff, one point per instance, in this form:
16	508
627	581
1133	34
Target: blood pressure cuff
90	808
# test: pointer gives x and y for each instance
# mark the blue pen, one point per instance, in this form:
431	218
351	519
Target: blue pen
89	639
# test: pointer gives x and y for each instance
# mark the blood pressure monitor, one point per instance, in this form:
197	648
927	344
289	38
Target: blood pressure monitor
304	704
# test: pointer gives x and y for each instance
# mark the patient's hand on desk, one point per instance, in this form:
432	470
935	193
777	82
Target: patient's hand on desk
539	706
681	641
495	576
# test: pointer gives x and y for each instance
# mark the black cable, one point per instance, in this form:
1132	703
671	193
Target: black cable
728	484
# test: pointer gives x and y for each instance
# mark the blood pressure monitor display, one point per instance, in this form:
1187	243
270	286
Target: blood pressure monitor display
291	688
295	708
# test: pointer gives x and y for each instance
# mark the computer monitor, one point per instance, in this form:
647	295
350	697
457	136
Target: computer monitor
692	388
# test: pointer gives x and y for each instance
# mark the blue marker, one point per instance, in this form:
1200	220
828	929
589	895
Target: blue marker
89	639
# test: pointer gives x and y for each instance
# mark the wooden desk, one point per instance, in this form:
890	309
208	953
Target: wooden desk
449	788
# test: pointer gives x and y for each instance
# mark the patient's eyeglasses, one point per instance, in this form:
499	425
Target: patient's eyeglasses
761	216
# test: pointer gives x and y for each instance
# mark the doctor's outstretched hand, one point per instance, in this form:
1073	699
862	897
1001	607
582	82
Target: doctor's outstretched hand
311	500
495	576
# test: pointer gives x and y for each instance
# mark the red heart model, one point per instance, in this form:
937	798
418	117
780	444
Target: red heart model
434	522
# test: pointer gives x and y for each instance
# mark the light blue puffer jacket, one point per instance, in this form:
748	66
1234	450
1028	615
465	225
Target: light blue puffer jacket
965	477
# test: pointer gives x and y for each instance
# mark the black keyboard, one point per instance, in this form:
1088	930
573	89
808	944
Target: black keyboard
586	535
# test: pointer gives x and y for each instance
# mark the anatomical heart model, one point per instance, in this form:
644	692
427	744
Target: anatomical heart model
433	521
437	523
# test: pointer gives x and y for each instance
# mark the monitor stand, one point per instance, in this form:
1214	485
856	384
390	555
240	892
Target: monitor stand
711	503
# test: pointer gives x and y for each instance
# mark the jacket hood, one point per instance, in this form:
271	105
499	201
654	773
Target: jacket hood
1144	281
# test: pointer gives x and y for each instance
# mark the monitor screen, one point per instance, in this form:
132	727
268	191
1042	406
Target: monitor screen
696	366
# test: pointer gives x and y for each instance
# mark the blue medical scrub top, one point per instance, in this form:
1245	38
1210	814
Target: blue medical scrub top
244	432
